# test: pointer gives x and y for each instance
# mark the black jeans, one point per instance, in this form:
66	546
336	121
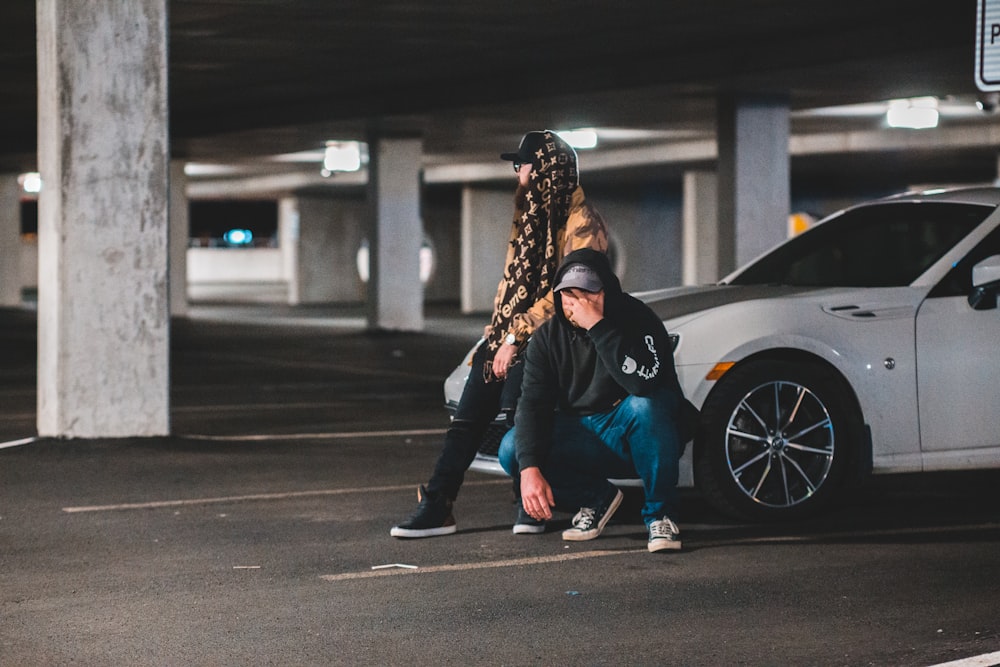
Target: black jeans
479	405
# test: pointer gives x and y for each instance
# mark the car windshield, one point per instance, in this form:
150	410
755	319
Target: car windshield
884	245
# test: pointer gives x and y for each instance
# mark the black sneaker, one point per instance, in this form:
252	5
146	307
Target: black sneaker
527	524
663	534
433	517
589	521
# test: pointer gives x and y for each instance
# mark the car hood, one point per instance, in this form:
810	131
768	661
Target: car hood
676	302
851	303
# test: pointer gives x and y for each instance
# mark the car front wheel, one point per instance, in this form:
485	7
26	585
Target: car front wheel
777	440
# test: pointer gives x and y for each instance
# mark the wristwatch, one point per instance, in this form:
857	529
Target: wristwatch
510	339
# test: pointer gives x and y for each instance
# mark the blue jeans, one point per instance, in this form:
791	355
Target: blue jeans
638	437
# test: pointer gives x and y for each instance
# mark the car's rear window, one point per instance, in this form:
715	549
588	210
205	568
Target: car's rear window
884	245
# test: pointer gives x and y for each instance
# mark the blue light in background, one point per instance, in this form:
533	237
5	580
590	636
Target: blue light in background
238	237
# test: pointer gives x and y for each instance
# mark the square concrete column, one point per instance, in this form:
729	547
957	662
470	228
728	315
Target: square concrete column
323	266
486	221
395	293
288	245
754	199
701	228
180	235
103	311
10	240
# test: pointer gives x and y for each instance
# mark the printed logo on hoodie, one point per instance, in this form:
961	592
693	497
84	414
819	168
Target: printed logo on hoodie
630	365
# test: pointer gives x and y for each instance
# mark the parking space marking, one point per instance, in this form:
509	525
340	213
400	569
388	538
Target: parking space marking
463	567
316	436
160	504
539	560
855	534
984	660
17	443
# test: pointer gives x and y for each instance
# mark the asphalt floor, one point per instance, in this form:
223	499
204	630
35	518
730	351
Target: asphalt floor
257	533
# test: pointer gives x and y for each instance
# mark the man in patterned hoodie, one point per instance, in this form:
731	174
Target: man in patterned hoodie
551	219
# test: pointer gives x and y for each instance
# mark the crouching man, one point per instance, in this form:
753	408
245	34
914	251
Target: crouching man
600	399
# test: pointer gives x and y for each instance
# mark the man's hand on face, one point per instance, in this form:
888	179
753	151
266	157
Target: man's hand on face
536	494
583	309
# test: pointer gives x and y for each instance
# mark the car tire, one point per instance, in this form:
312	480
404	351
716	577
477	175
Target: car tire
777	440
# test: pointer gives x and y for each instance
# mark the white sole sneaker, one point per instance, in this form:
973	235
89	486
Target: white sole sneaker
577	535
663	544
528	529
396	531
663	535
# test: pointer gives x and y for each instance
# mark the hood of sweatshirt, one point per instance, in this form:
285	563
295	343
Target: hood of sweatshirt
598	261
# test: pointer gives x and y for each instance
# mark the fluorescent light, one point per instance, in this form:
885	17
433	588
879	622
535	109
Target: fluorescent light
916	113
206	169
582	138
342	156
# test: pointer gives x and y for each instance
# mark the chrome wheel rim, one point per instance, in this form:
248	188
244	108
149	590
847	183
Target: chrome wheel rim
780	444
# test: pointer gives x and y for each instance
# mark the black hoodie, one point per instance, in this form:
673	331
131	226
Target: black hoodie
586	372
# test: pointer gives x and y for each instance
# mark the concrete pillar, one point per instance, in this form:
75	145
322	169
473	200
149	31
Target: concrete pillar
103	311
701	228
754	199
180	234
10	240
486	221
330	233
395	294
288	245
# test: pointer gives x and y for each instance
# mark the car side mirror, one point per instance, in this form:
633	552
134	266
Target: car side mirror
985	284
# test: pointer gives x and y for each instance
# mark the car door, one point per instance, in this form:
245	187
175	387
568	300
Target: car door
958	370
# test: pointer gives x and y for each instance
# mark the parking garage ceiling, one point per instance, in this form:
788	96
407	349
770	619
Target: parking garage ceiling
253	78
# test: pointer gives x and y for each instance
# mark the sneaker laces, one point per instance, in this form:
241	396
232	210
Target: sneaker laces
663	528
584	519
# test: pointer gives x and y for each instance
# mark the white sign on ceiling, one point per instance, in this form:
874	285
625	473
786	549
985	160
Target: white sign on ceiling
988	45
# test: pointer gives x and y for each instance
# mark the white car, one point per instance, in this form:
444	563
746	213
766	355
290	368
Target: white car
869	343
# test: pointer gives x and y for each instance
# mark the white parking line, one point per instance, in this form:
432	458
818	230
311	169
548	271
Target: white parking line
380	572
984	660
17	443
857	534
159	504
463	567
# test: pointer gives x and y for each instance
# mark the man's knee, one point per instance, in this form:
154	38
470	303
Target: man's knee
652	410
643	408
508	453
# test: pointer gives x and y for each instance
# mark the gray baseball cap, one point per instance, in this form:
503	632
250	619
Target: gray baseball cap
580	276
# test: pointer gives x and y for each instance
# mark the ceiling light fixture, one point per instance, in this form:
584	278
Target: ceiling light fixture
916	113
582	138
341	156
30	182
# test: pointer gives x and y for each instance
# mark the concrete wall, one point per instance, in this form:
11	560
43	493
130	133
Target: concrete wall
330	232
645	225
230	265
441	213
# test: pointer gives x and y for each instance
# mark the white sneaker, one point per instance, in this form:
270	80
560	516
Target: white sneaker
589	522
663	534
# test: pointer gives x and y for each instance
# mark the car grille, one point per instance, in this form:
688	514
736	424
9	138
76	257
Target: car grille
493	435
491	439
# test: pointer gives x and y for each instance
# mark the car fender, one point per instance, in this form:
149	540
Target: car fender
870	345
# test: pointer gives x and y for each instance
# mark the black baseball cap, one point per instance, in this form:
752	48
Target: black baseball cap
530	143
